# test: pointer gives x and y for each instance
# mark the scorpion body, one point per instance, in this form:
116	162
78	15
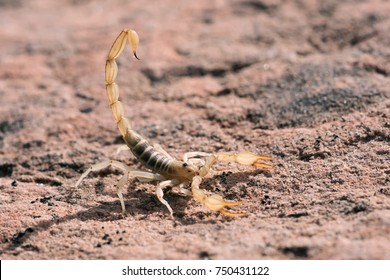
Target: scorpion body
164	168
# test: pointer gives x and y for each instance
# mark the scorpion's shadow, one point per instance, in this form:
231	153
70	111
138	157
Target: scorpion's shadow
142	204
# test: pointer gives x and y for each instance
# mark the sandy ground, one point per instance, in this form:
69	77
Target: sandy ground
306	82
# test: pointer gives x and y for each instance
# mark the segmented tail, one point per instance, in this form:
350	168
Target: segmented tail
140	147
111	73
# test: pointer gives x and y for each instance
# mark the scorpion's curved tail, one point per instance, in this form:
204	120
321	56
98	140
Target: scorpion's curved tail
139	146
111	73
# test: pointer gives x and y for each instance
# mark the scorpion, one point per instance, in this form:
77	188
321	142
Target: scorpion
186	174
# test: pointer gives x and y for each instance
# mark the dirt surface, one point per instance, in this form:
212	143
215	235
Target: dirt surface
306	82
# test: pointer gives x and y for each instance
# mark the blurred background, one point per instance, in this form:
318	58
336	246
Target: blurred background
306	82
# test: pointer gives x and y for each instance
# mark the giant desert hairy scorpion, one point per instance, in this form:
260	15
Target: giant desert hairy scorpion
186	174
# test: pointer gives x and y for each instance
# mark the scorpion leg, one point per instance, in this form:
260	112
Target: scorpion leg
160	193
119	189
95	167
214	202
102	165
140	175
184	190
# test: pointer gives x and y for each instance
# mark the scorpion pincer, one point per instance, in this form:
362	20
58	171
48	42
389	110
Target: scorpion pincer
186	174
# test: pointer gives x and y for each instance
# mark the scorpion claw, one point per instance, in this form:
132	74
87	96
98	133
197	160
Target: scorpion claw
217	203
231	214
214	202
262	165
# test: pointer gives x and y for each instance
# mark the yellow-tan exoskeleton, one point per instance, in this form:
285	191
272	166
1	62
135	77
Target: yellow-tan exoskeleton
186	174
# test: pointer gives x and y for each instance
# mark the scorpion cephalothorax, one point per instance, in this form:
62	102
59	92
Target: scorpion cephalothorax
187	174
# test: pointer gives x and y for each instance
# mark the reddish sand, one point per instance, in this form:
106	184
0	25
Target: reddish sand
306	82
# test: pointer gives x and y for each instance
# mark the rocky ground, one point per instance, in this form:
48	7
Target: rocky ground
306	82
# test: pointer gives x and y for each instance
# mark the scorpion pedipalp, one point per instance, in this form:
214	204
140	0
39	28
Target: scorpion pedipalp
214	202
245	158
